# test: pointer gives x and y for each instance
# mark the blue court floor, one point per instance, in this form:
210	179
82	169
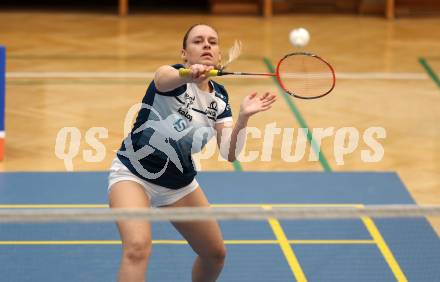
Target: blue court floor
275	250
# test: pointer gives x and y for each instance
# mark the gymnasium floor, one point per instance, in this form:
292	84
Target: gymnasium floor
325	250
89	69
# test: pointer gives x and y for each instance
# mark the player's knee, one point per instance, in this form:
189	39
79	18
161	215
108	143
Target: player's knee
217	254
137	251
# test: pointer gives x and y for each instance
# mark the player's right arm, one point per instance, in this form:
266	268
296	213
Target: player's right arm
167	78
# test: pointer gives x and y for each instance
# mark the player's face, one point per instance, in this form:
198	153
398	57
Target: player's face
202	47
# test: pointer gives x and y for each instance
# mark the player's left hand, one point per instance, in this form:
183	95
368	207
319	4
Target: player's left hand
253	104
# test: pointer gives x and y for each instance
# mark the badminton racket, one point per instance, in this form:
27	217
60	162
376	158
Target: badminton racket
302	75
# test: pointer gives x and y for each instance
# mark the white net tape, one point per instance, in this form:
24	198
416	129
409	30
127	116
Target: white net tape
224	213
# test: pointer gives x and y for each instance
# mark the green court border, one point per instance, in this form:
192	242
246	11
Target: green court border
424	62
237	165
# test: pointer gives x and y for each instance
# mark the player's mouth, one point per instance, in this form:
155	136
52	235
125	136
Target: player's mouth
207	55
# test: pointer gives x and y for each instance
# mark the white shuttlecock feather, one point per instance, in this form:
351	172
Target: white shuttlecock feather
234	53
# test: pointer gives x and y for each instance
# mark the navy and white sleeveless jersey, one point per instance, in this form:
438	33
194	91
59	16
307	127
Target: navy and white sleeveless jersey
169	128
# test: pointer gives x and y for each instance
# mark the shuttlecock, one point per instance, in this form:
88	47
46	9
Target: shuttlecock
299	37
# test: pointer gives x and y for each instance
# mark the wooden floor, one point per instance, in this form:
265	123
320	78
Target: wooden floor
38	107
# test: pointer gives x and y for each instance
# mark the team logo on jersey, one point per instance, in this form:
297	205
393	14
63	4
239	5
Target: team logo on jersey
211	111
185	112
213	106
188	100
179	125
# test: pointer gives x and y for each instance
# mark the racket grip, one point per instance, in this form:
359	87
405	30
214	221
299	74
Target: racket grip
187	72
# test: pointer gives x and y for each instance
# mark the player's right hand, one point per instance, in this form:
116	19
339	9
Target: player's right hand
199	72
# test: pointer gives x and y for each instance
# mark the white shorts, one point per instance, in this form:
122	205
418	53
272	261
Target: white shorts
159	195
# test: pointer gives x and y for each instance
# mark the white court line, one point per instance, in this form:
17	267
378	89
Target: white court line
79	74
382	75
145	75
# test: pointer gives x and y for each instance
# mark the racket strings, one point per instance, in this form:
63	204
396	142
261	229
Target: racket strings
305	76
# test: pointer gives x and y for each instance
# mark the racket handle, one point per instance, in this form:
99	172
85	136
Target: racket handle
187	72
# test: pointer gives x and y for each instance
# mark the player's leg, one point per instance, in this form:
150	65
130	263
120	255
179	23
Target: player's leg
204	237
135	234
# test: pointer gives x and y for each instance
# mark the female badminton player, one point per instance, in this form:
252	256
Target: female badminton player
154	167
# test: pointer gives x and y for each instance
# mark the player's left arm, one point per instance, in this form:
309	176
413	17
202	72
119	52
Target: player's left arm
232	138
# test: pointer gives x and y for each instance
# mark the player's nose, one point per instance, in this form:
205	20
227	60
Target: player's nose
206	45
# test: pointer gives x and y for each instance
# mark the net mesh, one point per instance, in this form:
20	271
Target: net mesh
219	213
305	76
